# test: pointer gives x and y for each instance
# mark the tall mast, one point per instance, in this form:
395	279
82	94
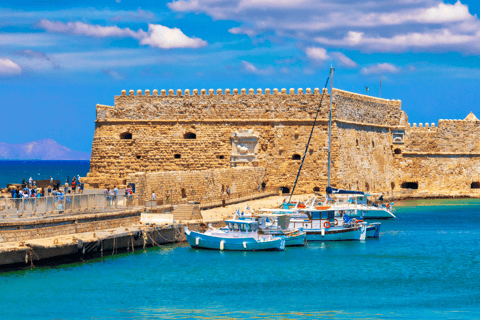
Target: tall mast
330	124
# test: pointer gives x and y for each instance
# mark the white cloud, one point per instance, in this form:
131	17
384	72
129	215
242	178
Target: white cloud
113	74
139	15
434	39
381	25
166	38
8	67
248	32
344	60
157	36
380	68
30	54
318	54
250	68
81	28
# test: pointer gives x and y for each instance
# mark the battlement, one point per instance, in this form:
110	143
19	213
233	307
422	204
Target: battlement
265	104
220	92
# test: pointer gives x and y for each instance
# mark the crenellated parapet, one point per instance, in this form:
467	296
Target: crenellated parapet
265	104
450	135
220	92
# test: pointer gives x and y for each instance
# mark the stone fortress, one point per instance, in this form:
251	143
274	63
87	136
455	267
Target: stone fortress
194	145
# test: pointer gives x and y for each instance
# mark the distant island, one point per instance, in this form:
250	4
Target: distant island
46	149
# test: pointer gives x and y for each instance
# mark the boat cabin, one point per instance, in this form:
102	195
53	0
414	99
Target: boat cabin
315	219
242	226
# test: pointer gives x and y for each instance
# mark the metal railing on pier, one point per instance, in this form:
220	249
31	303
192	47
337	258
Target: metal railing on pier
11	208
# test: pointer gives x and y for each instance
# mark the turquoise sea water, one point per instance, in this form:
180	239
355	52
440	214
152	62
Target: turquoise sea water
426	265
16	171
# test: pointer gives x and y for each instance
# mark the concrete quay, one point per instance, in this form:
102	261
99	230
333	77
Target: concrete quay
54	240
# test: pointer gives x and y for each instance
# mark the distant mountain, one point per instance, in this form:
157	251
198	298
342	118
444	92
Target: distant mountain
46	149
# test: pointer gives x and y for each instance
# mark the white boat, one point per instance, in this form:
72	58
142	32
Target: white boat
239	235
357	207
319	224
278	225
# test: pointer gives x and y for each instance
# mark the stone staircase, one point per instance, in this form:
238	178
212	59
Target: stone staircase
187	212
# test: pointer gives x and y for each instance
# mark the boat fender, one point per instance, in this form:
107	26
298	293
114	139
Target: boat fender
323	232
221	244
336	222
197	241
326	224
245	244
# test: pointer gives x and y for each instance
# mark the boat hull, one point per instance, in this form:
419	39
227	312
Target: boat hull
202	241
336	234
373	230
378	214
296	240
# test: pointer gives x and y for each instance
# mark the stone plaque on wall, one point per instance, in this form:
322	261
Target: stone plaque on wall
244	148
398	136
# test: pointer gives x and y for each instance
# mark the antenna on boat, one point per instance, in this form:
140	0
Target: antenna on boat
311	133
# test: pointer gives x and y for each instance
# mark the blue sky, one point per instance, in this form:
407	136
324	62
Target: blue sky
58	59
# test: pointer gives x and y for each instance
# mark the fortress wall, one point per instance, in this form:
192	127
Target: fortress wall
363	158
438	157
438	174
157	143
269	105
454	136
359	108
205	185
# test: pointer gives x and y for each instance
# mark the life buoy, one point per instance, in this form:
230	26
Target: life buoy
336	222
326	224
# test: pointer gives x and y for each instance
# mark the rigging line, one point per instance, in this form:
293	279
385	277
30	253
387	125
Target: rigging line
309	138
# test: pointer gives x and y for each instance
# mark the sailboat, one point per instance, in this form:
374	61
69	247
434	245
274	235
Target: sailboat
319	222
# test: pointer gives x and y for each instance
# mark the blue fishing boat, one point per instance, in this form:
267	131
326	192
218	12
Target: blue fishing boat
239	235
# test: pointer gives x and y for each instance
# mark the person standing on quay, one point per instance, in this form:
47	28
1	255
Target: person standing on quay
73	185
30	181
51	180
115	194
66	186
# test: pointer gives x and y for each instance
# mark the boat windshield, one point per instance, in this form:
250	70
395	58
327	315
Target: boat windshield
243	227
230	225
235	227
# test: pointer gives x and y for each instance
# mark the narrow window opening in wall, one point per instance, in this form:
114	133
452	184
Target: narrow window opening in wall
397	151
475	185
285	190
177	156
223	188
190	135
392	184
184	193
221	157
373	144
367	186
125	135
264	185
139	157
296	157
316	189
410	185
357	142
310	151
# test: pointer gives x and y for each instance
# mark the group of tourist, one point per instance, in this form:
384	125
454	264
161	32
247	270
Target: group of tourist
29	188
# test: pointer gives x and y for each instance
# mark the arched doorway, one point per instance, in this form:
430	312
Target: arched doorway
285	189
